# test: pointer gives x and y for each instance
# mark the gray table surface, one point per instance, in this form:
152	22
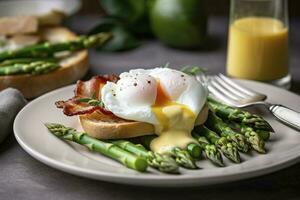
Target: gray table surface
23	177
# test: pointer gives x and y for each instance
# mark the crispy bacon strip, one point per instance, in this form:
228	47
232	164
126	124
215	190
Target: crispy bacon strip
86	89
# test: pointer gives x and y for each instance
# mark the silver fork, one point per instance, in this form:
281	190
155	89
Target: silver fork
238	96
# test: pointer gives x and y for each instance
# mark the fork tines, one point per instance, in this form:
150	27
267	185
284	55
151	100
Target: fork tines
230	92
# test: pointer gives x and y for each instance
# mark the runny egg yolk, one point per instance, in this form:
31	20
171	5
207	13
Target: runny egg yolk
176	122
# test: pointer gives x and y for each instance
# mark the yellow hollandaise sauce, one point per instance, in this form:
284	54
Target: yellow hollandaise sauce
257	49
176	122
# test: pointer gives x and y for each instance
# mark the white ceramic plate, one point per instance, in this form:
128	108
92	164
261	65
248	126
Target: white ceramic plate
283	147
37	7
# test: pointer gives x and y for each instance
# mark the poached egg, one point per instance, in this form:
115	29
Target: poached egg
168	99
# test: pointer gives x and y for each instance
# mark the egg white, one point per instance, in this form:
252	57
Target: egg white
133	96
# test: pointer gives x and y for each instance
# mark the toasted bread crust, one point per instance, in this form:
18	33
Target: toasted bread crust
104	127
73	68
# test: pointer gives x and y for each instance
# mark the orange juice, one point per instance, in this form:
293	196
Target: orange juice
257	49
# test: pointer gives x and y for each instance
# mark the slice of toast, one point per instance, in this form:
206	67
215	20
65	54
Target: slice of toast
72	68
103	126
18	25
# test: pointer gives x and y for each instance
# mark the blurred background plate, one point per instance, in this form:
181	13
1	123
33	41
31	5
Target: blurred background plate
38	7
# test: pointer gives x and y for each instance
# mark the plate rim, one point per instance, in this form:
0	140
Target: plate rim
133	179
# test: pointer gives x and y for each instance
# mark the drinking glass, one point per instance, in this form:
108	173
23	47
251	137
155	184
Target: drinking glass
258	41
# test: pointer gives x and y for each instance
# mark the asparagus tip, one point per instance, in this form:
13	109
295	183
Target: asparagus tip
240	142
234	156
214	155
163	162
229	150
184	158
259	148
256	141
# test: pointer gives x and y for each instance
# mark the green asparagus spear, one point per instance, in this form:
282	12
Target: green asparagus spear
253	138
108	149
45	68
163	163
194	150
225	146
47	49
11	62
181	156
265	135
211	151
38	67
216	124
239	115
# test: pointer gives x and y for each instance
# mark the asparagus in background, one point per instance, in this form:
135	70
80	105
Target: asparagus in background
226	147
108	149
211	151
45	50
11	62
37	67
216	124
239	115
181	156
163	163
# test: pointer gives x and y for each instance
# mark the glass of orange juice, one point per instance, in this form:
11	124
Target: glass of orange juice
258	41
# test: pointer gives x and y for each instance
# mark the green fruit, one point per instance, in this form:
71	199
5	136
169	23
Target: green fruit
179	23
132	13
128	10
122	39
